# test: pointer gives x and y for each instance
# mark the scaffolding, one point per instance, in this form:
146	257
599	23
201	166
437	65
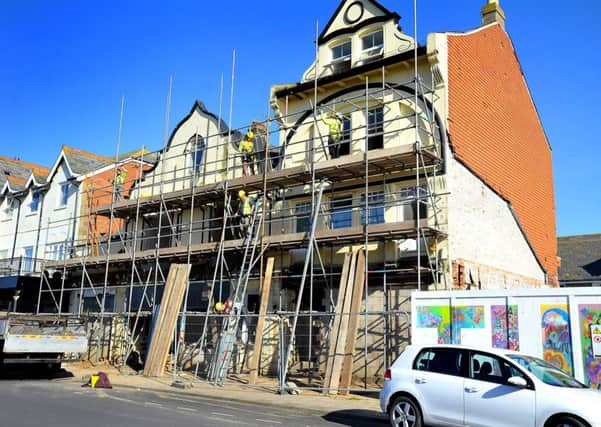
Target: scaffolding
382	192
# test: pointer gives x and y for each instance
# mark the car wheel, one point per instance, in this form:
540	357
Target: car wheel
404	412
567	421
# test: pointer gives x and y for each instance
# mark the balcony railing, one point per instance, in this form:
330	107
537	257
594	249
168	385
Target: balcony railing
20	266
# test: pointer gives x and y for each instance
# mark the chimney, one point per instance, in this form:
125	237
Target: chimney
492	12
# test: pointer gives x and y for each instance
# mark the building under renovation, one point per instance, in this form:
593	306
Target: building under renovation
288	249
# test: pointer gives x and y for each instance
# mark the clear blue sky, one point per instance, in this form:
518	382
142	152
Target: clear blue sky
65	65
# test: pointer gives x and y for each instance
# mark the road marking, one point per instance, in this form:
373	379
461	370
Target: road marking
236	422
187	409
268	421
222	415
152	404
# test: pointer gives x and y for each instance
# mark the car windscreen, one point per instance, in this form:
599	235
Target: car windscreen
546	372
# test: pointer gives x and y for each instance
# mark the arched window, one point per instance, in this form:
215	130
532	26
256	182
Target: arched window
196	152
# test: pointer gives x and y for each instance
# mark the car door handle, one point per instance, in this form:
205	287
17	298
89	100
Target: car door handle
421	380
471	389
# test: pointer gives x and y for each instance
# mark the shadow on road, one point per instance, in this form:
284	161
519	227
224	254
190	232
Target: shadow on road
357	418
29	372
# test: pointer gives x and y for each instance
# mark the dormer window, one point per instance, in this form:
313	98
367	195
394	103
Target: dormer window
341	57
196	151
341	52
373	43
34	205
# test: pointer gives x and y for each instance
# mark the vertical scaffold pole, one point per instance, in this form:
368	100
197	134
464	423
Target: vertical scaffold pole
110	230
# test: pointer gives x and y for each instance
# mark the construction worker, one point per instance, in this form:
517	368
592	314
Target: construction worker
245	211
120	182
247	148
334	123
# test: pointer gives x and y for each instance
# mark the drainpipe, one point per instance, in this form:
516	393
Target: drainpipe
72	250
37	239
12	255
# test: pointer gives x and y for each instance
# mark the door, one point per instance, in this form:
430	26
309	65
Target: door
490	400
439	382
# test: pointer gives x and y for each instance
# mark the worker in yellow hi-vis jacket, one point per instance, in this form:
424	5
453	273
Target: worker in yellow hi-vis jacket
247	149
334	123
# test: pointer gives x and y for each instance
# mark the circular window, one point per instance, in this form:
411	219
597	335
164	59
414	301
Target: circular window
353	13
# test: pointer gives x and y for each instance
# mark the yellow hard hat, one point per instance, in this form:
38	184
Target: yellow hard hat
219	307
241	193
250	134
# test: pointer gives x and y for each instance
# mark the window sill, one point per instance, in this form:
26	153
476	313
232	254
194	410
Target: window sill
31	214
60	208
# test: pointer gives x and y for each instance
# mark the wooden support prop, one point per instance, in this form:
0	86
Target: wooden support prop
265	291
336	322
347	365
162	337
342	332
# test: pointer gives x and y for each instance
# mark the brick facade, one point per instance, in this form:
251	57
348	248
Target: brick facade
96	192
496	132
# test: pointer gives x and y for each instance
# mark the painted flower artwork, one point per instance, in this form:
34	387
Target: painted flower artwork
557	342
589	315
436	317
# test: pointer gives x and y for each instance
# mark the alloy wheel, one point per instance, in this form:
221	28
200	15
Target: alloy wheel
404	414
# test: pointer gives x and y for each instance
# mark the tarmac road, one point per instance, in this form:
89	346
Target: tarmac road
40	402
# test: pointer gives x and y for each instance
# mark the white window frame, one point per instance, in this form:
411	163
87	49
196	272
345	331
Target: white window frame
373	50
28	261
55	251
35	195
64	197
342	58
10	208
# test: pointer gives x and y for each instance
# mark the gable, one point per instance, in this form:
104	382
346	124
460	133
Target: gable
352	15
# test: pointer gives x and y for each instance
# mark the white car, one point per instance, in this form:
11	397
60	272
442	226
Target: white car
446	385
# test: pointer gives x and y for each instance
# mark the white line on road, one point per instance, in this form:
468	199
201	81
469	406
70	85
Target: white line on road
222	415
187	409
152	404
268	421
236	422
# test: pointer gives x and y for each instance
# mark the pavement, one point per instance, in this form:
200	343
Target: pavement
359	405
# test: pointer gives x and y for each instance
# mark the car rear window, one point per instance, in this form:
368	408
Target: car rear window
445	361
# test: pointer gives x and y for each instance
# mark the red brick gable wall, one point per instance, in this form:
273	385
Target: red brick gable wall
496	132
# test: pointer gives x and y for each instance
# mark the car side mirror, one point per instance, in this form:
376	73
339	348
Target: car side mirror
518	382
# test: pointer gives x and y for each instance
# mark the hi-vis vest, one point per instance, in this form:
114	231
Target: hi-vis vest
246	208
335	126
246	146
120	180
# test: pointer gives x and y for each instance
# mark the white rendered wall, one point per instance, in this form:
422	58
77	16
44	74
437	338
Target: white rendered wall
57	220
484	232
8	224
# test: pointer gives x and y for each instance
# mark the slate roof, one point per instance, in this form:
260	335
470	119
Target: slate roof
142	153
17	172
580	257
82	162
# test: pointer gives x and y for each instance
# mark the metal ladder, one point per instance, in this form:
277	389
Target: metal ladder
223	353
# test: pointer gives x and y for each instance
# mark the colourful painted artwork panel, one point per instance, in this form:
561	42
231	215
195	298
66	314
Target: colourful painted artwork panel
438	317
589	315
557	342
466	317
505	327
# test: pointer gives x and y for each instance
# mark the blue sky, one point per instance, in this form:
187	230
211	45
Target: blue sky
65	65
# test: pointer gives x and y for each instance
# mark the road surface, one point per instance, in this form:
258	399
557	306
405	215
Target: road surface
41	402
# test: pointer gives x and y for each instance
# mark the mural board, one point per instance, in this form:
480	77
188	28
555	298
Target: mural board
556	338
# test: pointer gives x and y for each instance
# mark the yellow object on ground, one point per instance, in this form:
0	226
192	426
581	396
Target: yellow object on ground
94	380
